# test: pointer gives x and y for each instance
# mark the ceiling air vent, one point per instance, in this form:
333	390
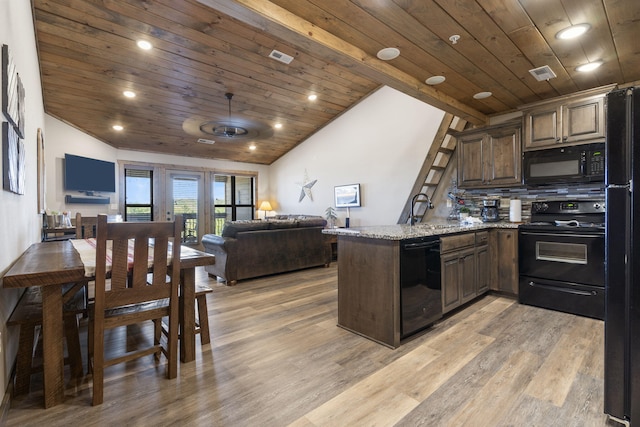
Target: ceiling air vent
206	141
543	73
279	56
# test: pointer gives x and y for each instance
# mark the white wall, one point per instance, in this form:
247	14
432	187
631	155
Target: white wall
62	138
19	219
380	143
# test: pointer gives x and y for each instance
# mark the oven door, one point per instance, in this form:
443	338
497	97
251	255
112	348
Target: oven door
568	256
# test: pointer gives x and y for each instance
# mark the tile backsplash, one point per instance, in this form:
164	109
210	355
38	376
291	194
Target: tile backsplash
473	198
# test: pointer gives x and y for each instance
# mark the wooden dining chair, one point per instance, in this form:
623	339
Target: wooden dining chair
86	229
85	226
130	298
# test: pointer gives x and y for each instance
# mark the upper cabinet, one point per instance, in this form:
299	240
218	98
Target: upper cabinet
570	120
490	157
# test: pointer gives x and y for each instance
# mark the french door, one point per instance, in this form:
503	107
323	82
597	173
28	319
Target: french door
185	195
233	198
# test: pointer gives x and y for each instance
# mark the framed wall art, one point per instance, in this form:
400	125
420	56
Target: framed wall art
347	196
11	160
13	94
41	173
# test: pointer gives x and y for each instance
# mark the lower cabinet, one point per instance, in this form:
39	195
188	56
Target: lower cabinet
482	266
504	260
464	263
476	262
458	278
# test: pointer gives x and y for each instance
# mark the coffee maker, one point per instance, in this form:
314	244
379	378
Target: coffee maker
490	210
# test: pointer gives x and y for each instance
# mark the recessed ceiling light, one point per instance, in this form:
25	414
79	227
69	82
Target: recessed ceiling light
143	44
312	97
435	80
589	67
252	147
278	126
388	53
573	31
482	95
118	127
129	94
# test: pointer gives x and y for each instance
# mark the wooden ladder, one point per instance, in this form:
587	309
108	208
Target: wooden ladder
435	163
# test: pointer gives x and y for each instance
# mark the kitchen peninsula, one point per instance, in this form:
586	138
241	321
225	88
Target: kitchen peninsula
383	288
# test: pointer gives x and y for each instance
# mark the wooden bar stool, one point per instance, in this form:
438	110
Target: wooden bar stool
202	320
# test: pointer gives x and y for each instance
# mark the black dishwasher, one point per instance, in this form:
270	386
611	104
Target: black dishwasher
420	287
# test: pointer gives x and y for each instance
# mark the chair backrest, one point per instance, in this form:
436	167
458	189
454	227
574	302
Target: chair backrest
132	254
85	226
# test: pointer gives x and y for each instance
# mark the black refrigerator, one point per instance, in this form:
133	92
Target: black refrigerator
622	260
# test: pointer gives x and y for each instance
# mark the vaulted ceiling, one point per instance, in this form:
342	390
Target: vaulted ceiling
205	49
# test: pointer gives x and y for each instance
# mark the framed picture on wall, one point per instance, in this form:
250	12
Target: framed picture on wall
10	158
347	196
41	173
13	94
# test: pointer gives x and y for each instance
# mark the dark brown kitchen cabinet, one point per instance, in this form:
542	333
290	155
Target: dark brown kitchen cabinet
571	120
504	260
458	278
490	157
450	281
482	262
462	277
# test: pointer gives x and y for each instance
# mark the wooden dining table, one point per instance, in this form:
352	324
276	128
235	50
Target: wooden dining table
53	264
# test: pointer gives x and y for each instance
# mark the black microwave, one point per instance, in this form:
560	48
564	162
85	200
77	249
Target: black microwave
564	165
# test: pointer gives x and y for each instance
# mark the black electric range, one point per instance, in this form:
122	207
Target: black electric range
561	254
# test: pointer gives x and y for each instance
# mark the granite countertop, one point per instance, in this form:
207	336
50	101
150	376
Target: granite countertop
403	231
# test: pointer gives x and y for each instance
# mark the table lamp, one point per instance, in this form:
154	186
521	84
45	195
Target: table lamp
265	206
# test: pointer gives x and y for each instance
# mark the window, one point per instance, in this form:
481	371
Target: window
185	192
138	190
205	197
233	199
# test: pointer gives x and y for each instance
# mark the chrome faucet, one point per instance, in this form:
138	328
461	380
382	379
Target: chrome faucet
413	202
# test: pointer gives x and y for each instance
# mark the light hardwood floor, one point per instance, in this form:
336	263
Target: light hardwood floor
277	358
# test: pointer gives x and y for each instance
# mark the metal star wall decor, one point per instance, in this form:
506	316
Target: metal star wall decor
305	187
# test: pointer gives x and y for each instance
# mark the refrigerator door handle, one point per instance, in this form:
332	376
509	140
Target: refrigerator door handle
629	186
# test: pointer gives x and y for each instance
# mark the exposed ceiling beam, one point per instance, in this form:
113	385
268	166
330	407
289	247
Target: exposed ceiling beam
277	21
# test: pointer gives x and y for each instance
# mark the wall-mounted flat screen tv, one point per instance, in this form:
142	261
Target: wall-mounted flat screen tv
89	175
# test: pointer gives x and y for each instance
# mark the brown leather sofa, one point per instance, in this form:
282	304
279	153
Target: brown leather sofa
249	249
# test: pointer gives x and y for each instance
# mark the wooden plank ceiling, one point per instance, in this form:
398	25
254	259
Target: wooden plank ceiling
204	49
